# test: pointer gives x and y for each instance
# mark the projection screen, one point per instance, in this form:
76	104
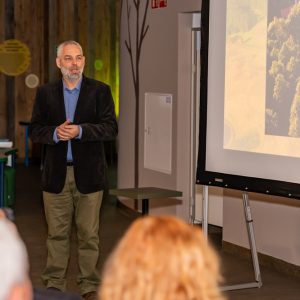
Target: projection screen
250	96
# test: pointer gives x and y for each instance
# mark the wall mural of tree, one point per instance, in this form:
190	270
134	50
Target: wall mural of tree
134	48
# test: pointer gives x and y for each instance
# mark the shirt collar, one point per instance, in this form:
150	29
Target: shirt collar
76	88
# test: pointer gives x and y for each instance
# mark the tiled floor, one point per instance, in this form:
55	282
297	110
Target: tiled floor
114	221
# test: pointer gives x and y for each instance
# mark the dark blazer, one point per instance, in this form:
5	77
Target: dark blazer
95	114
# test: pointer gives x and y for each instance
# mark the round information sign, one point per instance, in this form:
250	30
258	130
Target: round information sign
14	57
32	81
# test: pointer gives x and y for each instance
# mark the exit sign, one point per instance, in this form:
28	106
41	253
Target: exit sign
158	3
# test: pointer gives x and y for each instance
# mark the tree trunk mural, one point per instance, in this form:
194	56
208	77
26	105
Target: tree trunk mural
134	50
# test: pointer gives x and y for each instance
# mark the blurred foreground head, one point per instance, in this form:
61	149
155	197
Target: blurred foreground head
14	278
161	258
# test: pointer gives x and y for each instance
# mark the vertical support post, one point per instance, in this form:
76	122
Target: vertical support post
145	207
10	80
192	210
205	210
26	146
2	163
1	184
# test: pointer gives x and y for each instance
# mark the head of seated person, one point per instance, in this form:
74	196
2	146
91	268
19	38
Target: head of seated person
162	258
14	267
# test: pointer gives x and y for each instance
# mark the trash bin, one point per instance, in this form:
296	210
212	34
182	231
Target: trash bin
9	186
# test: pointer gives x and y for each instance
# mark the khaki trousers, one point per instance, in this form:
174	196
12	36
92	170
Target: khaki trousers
59	210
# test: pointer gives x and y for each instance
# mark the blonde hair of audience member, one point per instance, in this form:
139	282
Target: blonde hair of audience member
14	279
161	258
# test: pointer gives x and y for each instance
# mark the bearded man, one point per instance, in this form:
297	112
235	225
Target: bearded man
71	118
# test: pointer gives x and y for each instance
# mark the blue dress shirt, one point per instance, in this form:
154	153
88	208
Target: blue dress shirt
70	100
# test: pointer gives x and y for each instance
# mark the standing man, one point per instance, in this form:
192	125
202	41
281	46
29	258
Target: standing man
71	118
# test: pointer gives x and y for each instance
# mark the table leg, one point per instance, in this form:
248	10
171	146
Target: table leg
145	207
26	146
1	184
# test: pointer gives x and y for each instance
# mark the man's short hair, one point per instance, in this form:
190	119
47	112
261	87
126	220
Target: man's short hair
62	45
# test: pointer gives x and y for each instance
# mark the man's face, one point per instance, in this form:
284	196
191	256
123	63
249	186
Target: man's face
71	62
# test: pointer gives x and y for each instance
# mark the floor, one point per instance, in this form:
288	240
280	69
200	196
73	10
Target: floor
29	218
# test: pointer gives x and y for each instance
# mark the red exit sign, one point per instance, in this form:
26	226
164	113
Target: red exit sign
158	3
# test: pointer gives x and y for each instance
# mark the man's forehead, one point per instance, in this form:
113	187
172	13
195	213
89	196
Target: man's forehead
71	50
71	54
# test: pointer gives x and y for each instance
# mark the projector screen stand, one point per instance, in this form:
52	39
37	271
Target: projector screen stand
249	223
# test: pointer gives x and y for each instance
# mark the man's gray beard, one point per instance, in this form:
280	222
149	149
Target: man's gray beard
71	77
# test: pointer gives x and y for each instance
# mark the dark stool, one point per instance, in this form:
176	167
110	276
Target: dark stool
145	194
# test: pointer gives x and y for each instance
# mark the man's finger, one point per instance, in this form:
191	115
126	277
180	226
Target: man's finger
67	122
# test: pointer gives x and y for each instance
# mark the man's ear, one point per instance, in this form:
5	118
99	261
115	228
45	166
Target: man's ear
58	62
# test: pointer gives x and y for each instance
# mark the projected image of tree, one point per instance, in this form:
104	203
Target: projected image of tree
283	70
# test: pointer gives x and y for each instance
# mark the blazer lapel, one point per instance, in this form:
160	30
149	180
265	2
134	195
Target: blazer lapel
82	96
59	101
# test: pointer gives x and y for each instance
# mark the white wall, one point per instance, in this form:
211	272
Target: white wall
158	74
162	67
276	224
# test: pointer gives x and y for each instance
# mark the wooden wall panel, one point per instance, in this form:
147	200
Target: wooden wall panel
3	107
102	41
9	80
52	38
63	25
114	21
90	50
66	20
42	25
83	26
28	14
75	20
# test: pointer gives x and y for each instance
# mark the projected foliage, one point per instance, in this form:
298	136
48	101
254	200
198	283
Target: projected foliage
241	16
260	61
283	73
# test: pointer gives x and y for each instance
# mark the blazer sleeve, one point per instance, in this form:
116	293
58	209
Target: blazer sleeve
39	130
106	127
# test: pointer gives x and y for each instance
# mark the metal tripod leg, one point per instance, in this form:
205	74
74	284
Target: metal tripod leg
249	223
205	210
